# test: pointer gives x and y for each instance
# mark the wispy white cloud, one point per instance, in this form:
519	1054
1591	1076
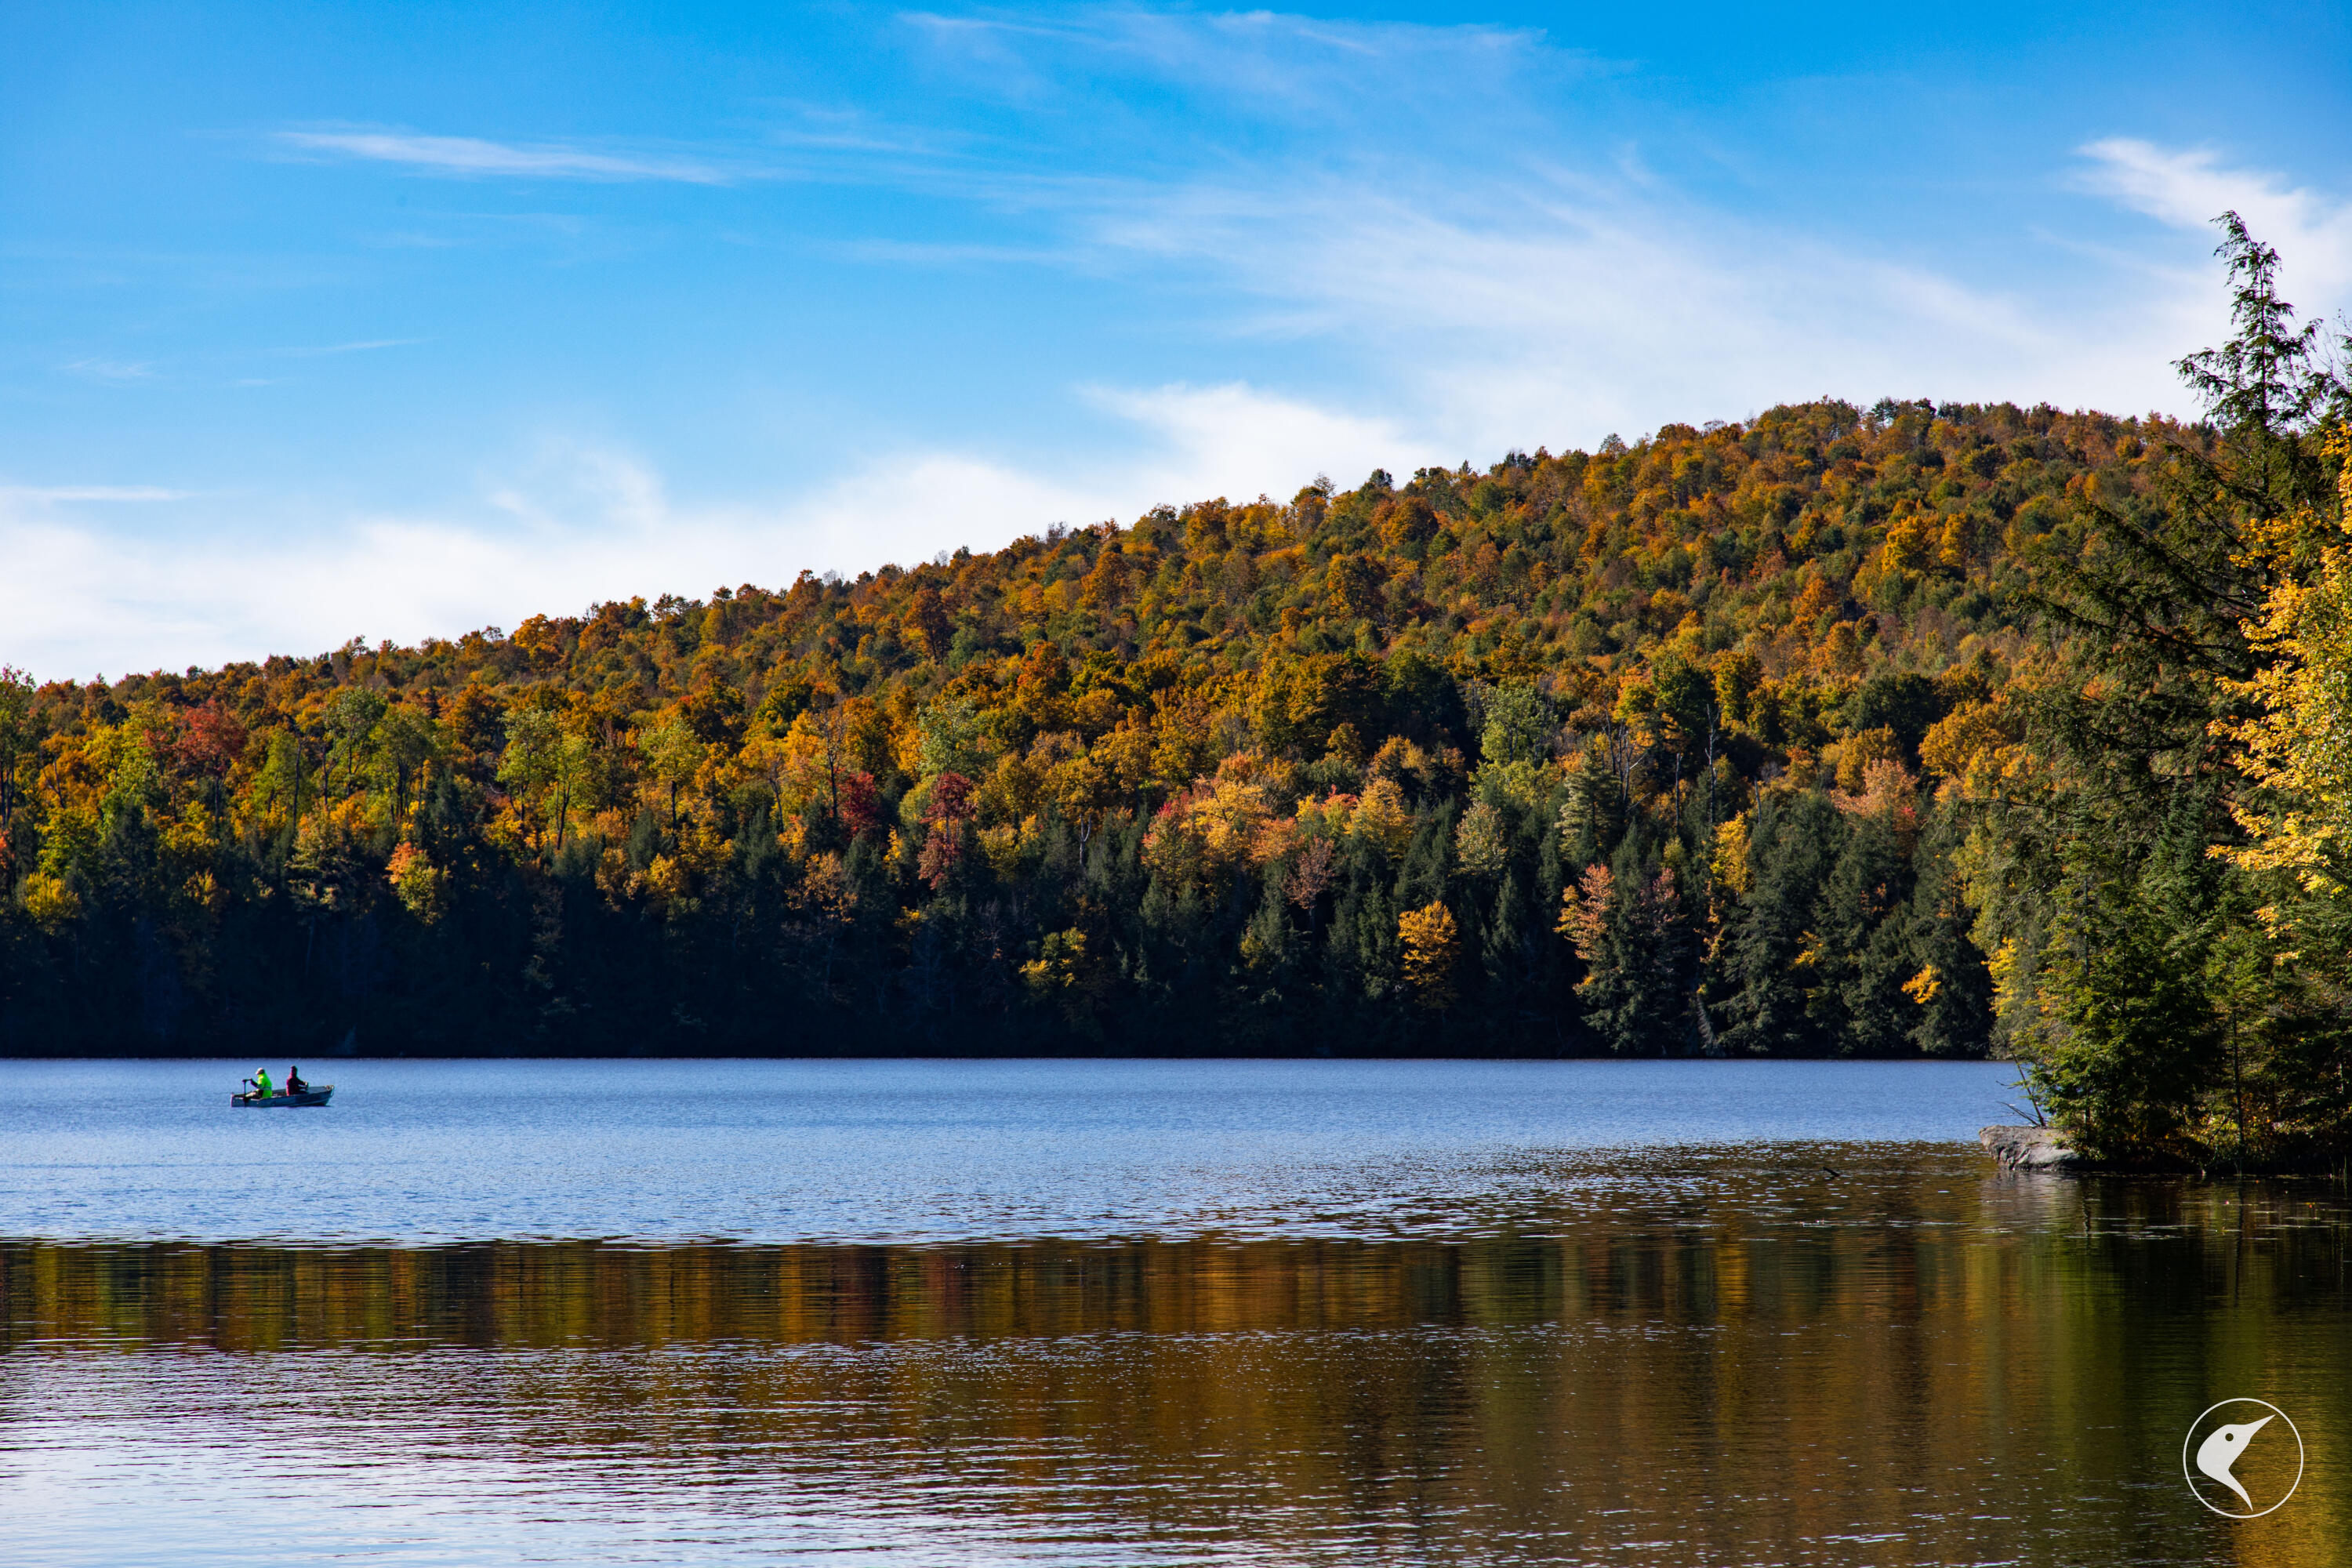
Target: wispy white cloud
574	523
1552	311
2189	187
368	346
1238	441
111	372
1461	270
474	157
1414	200
1334	76
145	373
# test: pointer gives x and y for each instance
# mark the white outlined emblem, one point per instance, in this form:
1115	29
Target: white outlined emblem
2220	1444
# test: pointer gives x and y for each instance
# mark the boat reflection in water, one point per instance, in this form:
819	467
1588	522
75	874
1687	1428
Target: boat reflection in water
1699	1358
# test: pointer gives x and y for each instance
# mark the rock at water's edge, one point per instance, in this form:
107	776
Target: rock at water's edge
2029	1149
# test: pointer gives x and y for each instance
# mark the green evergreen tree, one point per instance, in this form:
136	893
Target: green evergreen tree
1769	951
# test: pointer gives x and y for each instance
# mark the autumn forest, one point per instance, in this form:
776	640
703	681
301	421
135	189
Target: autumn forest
1921	729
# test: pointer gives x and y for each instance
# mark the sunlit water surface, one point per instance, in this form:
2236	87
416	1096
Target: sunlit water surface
1098	1312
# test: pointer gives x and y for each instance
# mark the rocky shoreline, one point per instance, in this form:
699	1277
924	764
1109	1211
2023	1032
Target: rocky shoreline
2031	1149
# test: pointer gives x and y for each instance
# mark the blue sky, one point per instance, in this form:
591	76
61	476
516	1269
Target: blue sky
325	320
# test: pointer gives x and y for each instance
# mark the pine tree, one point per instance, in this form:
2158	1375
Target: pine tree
1769	951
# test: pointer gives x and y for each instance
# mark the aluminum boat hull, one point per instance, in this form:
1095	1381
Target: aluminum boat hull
307	1097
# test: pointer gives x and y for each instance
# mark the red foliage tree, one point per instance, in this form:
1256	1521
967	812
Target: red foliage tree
861	805
211	740
953	804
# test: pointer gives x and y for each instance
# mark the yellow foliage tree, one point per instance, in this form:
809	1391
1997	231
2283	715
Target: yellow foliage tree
672	751
1380	815
50	901
2298	747
421	886
1430	945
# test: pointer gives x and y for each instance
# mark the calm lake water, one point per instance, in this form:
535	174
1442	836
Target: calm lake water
1130	1312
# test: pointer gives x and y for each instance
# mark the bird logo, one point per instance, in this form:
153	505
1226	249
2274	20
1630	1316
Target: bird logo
2225	1442
2216	1453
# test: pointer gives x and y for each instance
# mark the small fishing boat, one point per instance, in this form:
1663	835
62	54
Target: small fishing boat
312	1094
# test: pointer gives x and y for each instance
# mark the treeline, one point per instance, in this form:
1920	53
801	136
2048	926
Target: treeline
1630	751
1751	739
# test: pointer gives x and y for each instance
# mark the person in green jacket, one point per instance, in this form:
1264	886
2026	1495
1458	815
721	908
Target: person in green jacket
261	1089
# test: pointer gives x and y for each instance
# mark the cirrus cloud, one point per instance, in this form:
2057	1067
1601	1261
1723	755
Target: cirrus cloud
473	157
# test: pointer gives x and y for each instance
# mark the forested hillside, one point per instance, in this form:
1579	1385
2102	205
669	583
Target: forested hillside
1927	729
1634	751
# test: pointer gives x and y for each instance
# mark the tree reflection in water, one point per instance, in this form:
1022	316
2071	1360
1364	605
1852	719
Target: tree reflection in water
1703	1359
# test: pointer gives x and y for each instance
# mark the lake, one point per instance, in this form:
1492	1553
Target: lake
1130	1313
